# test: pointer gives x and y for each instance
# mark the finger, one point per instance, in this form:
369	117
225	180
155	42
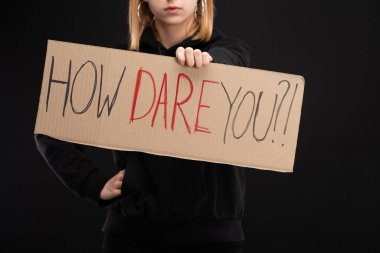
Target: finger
180	54
120	175
119	179
116	192
206	58
198	58
117	184
189	56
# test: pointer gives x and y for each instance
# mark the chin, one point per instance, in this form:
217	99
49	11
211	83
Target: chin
173	20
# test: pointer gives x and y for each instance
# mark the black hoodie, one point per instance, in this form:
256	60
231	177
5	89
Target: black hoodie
162	198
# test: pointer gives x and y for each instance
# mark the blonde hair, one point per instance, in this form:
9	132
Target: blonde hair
201	29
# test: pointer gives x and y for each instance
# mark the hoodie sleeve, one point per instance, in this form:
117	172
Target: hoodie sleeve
230	51
69	163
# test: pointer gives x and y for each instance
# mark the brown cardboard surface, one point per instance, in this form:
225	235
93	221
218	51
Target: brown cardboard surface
126	100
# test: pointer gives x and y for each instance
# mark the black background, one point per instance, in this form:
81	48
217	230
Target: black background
331	201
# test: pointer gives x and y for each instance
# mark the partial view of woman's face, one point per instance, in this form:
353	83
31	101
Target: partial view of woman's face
172	12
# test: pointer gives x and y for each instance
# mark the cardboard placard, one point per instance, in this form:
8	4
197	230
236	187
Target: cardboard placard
127	100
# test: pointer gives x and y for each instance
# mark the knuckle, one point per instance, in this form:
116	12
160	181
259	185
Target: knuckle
197	52
189	59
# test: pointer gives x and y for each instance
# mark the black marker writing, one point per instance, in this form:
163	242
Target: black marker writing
51	80
93	90
255	118
109	107
229	111
250	117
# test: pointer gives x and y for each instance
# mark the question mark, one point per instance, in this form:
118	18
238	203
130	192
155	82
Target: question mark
282	100
280	106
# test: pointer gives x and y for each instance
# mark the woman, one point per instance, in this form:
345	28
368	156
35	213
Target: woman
157	202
